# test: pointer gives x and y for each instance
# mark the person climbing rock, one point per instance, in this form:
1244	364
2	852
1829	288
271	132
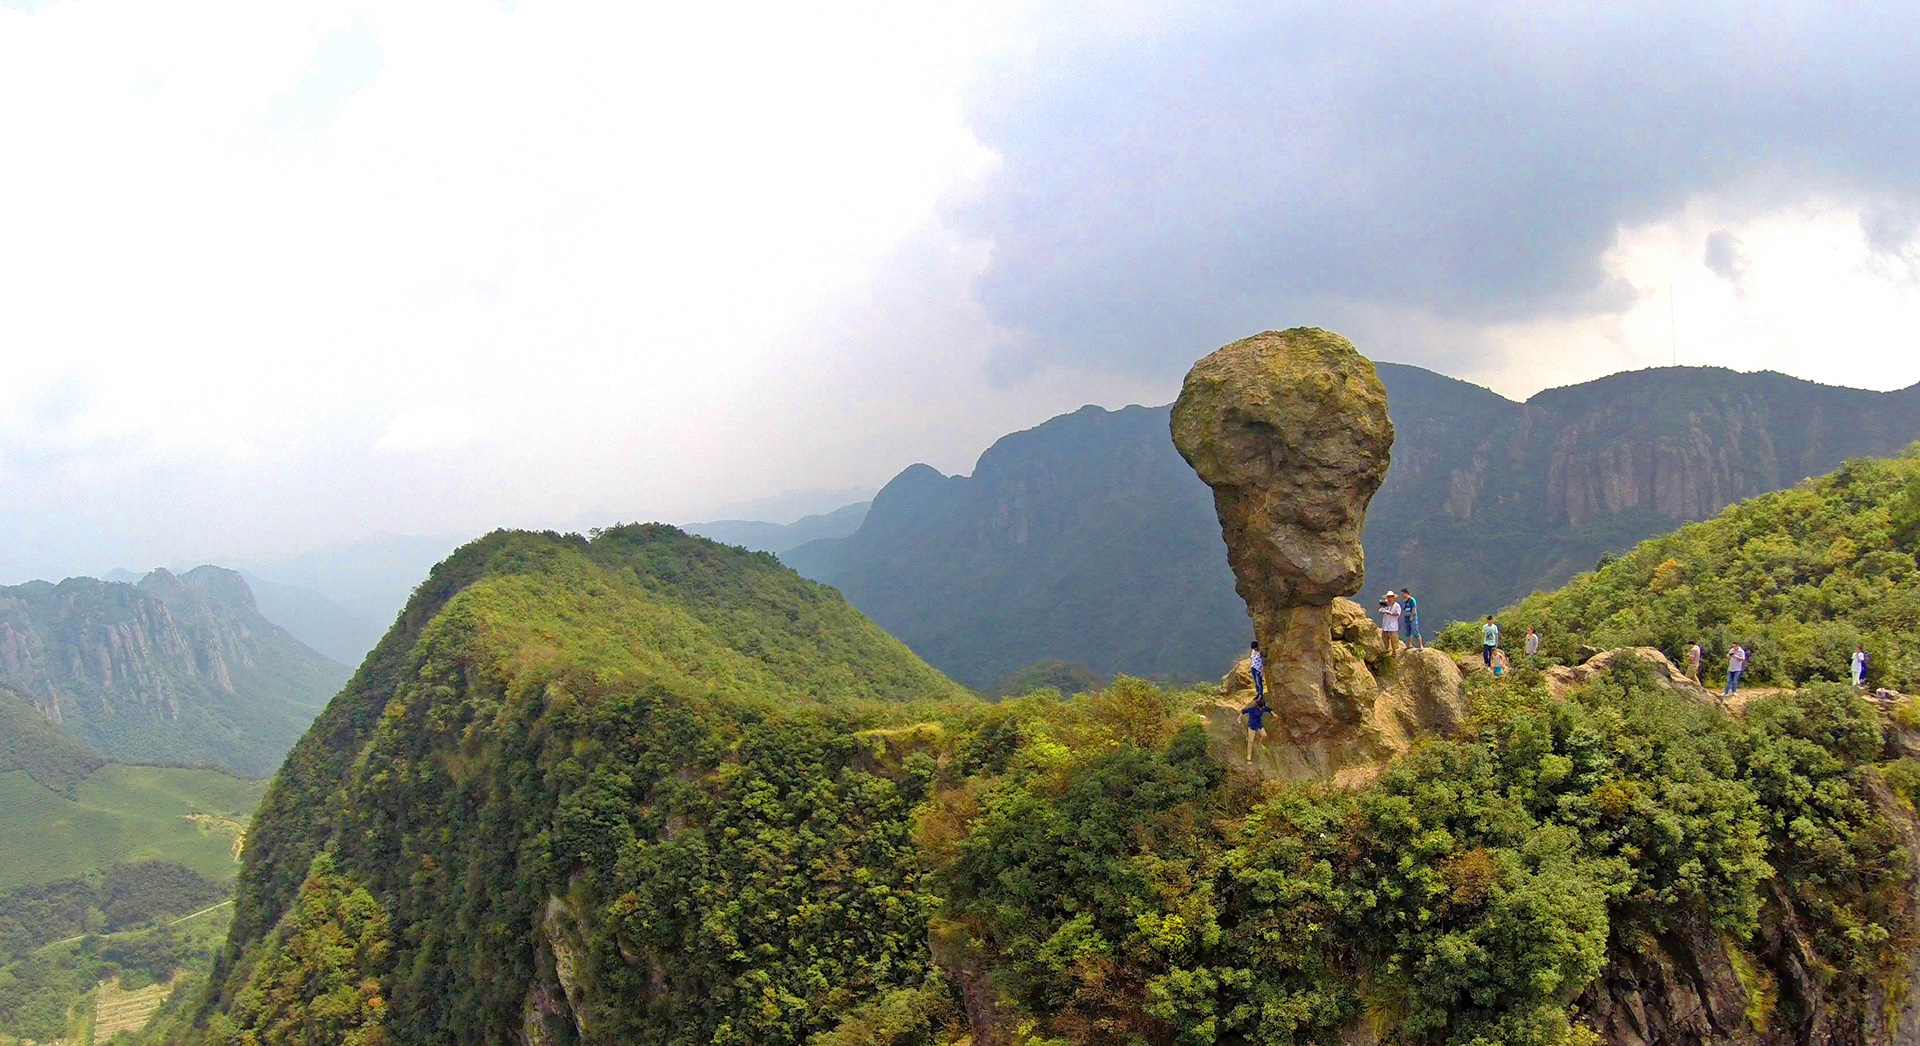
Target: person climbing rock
1694	656
1489	638
1860	666
1390	617
1259	672
1736	666
1410	621
1256	714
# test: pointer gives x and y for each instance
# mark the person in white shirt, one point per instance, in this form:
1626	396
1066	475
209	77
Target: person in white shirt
1390	613
1694	656
1533	643
1736	667
1259	672
1860	666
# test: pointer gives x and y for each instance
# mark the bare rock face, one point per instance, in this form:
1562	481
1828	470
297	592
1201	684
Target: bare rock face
1666	674
1290	430
1385	701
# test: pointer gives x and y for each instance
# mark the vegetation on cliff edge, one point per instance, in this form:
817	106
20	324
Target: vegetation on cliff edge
1799	577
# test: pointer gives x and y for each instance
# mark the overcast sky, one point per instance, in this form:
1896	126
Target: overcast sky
274	276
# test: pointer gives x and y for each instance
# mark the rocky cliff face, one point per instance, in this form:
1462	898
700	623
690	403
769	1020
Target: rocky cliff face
1085	540
174	669
1385	700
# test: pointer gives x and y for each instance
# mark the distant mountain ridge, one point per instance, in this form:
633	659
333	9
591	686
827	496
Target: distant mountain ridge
176	669
780	537
1087	539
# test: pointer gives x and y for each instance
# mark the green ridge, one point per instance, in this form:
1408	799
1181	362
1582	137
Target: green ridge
1799	577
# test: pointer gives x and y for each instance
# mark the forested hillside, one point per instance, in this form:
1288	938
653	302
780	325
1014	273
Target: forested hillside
1799	577
34	746
646	789
176	669
101	874
1087	539
537	693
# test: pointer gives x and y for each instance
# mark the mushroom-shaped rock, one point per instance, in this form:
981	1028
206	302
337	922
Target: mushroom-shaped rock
1290	430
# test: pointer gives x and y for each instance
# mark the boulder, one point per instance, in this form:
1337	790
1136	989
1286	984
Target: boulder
1352	626
1562	678
1290	430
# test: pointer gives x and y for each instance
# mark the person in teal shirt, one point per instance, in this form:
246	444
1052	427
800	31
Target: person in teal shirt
1489	638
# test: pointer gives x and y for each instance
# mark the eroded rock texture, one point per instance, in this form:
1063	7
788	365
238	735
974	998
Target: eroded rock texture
1290	430
1392	697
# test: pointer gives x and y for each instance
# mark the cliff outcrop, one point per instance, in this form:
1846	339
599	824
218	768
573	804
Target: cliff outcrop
1290	431
1387	700
179	668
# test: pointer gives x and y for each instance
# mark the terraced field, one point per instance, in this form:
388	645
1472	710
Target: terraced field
115	1010
123	813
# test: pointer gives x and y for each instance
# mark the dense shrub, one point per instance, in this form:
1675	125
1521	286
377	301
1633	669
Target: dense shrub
1469	896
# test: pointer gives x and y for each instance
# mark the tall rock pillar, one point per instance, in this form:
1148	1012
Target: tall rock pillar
1290	430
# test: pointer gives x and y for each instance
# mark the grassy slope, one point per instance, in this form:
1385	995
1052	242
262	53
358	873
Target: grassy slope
122	813
1799	577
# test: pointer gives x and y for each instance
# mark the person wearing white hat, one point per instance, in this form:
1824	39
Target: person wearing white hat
1390	614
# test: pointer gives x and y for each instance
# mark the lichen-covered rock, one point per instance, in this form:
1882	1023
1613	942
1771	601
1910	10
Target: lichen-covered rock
1352	626
1562	678
1377	717
1290	430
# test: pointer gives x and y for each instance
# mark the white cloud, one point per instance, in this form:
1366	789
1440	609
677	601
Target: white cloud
562	240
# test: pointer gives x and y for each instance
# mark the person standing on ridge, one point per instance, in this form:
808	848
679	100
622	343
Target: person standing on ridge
1860	665
1256	714
1694	657
1489	638
1533	643
1259	665
1390	614
1736	664
1410	621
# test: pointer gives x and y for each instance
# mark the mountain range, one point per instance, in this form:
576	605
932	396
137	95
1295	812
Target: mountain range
178	668
781	537
644	788
1087	539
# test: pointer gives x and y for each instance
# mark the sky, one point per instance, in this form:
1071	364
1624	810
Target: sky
281	276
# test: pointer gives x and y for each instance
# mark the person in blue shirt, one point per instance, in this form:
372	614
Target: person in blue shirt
1259	672
1256	714
1410	621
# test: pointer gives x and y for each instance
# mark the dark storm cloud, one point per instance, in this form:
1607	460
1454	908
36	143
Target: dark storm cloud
1167	190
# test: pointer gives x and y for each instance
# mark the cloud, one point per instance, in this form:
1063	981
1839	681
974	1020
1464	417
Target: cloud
1166	188
1728	258
346	61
